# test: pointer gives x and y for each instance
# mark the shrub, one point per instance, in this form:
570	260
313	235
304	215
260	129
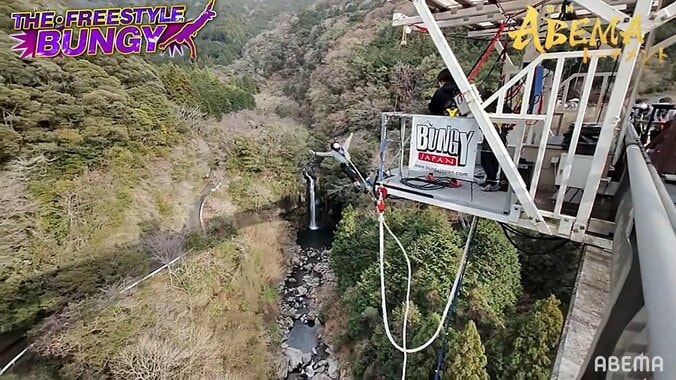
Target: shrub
466	358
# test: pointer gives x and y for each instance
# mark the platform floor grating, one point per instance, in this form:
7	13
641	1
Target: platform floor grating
469	195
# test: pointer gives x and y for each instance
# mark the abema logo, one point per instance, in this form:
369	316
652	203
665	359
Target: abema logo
640	364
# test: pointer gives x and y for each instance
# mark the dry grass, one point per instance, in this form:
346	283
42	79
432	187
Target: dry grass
205	319
264	241
77	227
219	202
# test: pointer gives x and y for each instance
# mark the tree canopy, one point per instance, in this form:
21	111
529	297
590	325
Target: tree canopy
491	287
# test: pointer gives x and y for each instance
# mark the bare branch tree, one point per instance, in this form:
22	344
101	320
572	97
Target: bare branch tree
180	353
8	116
17	209
165	247
405	84
70	203
192	117
22	167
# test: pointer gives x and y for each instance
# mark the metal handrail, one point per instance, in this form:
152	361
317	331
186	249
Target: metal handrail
657	261
631	137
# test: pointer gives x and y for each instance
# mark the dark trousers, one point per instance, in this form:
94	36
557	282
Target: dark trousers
490	165
350	172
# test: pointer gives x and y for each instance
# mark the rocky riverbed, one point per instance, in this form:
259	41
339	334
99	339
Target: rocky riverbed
305	353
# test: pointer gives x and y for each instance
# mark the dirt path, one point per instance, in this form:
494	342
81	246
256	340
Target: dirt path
195	221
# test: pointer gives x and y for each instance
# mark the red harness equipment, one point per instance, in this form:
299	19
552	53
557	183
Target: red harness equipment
482	61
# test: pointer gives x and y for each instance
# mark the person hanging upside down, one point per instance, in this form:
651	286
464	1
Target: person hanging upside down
340	153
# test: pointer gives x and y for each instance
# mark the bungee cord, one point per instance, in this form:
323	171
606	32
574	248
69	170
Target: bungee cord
451	299
378	200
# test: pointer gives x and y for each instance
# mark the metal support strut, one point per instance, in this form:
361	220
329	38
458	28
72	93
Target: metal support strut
471	96
615	106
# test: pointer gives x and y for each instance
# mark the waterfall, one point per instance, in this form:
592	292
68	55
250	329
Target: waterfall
312	201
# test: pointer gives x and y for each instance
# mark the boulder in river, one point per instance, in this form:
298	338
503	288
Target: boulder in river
291	313
295	358
301	290
333	368
307	358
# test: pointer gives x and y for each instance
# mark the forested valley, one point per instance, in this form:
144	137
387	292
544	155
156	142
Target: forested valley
102	161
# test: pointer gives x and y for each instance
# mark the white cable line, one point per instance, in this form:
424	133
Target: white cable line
153	273
128	288
13	361
381	219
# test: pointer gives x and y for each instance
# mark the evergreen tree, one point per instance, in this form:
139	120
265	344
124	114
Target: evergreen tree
524	350
418	330
493	278
466	358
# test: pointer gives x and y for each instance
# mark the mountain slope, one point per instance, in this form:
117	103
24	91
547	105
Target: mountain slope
102	160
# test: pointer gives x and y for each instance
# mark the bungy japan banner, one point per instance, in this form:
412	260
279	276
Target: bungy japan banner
445	145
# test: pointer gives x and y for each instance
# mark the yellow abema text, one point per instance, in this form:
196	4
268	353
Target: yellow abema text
608	35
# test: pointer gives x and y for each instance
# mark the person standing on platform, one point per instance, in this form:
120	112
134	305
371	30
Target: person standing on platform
489	162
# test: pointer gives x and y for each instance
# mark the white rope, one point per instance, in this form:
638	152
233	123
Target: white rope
382	226
381	220
451	297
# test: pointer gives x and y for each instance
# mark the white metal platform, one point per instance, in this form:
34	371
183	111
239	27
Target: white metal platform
529	120
647	246
469	198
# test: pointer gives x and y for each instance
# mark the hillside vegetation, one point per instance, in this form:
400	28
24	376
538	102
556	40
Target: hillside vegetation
78	135
102	163
342	65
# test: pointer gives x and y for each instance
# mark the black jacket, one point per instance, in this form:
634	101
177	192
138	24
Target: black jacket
443	99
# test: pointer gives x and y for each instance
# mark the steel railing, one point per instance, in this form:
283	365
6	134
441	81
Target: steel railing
645	238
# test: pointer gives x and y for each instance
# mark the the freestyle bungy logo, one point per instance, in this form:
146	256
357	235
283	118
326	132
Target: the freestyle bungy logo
443	145
131	30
